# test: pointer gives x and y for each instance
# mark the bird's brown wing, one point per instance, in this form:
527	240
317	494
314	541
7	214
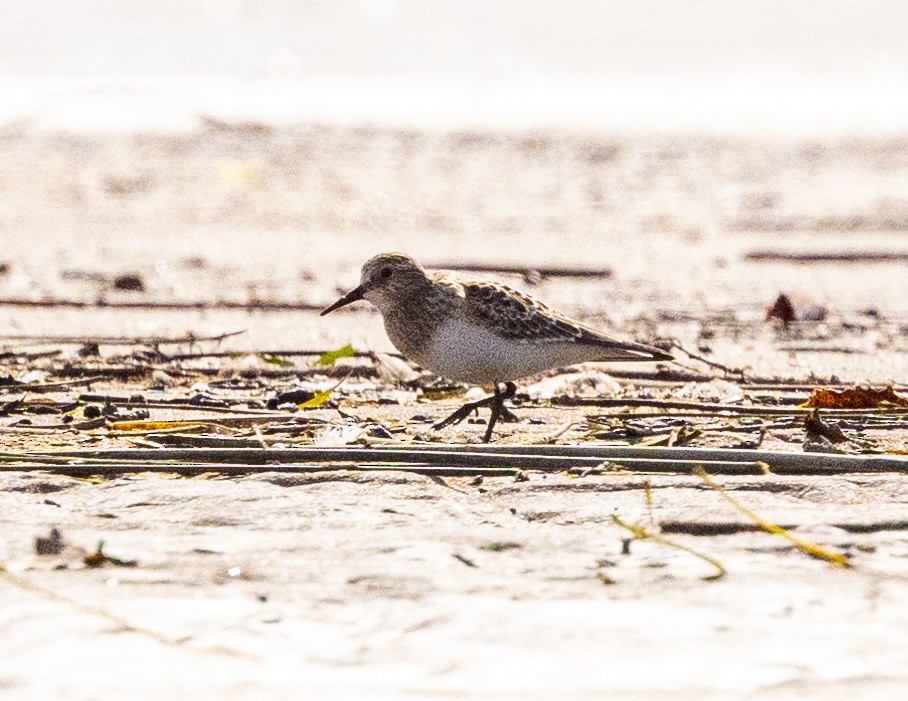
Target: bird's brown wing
519	317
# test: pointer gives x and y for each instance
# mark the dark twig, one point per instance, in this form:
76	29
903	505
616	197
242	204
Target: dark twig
718	366
256	305
827	257
275	353
526	271
39	387
117	340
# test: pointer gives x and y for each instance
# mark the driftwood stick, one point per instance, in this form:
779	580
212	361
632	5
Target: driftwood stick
539	457
43	339
39	387
263	414
256	305
277	353
828	257
253	459
116	467
781	463
525	270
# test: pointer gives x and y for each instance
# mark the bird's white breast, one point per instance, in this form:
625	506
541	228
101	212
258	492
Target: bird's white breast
469	353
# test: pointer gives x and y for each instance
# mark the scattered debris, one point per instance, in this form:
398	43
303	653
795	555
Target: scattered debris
827	257
855	398
320	398
55	546
130	282
99	559
716	391
122	185
683	436
589	382
393	369
815	443
640	532
294	396
817	428
468	562
812	550
277	360
51	545
674	344
785	310
500	546
441	391
338	435
332	357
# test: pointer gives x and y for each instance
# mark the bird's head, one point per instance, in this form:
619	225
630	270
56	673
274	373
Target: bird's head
387	281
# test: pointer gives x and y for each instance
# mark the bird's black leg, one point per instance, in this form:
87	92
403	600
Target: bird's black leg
466	410
495	402
508	416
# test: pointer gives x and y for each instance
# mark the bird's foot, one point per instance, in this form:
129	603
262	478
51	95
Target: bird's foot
507	416
495	402
464	412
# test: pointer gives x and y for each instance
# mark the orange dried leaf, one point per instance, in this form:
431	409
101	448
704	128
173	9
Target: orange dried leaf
854	398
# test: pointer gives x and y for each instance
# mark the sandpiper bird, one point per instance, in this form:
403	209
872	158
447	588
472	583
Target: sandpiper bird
476	331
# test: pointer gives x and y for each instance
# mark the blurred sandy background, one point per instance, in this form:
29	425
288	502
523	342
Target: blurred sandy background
262	150
500	130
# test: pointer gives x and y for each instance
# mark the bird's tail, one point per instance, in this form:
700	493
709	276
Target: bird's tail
617	351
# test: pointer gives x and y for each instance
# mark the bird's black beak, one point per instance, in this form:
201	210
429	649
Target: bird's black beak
351	296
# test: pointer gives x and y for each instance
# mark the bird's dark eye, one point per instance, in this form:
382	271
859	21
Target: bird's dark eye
385	273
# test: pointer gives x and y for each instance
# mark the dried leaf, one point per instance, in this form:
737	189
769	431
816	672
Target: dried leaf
782	309
796	308
816	427
131	282
331	357
683	436
99	558
317	400
854	398
321	397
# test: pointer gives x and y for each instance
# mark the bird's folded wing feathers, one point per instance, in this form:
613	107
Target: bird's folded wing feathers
519	317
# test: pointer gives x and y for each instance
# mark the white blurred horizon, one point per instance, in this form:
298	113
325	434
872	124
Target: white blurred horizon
794	67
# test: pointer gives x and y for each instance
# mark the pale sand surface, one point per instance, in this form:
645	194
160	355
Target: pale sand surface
349	585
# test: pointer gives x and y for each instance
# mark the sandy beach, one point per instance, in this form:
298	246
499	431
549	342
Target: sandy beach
397	584
208	490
